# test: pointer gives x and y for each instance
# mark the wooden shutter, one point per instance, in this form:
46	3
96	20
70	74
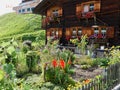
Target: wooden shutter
78	9
110	32
87	31
97	6
60	11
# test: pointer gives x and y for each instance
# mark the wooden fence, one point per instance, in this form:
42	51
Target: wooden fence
110	78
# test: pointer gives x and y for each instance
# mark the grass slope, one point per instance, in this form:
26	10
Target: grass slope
13	24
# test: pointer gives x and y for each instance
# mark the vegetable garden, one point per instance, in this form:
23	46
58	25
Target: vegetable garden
26	65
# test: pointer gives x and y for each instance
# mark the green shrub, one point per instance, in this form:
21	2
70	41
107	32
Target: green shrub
51	86
85	66
104	62
58	73
33	61
66	55
21	69
95	62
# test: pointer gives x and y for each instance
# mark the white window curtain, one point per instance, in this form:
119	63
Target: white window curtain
86	8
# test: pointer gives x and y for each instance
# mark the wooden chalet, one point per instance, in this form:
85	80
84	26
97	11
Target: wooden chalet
72	18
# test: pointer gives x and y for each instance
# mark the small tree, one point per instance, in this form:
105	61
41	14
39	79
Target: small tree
83	43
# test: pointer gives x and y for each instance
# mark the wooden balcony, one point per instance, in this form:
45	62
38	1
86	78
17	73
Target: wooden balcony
87	15
50	22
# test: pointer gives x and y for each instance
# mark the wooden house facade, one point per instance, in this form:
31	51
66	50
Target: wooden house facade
72	18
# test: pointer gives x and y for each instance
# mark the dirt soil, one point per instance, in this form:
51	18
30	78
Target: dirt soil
81	74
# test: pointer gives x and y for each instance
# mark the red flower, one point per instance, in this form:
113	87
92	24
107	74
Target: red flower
99	36
68	38
54	63
87	81
62	64
89	15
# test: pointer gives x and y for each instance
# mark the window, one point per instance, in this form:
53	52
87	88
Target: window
103	31
52	33
96	30
86	8
28	9
91	7
32	8
74	32
19	11
23	10
56	33
79	31
55	12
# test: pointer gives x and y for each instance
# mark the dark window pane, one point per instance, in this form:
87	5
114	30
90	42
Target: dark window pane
28	9
91	7
32	8
23	10
19	11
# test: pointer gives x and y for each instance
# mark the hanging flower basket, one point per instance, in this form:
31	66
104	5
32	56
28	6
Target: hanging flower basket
68	38
89	15
99	36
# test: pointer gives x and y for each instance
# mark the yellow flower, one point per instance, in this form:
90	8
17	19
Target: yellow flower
113	47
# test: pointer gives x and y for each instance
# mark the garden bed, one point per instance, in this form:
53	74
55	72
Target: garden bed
82	74
55	68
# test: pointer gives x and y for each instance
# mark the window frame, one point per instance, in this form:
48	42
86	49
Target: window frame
55	12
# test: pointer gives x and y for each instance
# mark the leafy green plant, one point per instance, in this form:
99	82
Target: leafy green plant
95	62
85	60
114	54
83	43
85	66
33	61
10	70
2	74
51	86
58	73
104	62
66	55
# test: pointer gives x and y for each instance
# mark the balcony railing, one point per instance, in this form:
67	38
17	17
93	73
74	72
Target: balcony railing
56	21
88	14
51	21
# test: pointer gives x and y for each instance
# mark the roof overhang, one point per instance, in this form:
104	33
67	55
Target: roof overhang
45	4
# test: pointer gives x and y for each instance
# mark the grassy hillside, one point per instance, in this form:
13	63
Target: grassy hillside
13	24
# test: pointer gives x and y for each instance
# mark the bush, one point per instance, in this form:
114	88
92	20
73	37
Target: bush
58	73
33	61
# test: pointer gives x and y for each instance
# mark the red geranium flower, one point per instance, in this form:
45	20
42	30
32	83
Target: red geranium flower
54	63
89	14
99	36
62	64
68	38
